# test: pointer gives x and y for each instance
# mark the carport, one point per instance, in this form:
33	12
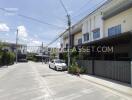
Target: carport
114	65
39	58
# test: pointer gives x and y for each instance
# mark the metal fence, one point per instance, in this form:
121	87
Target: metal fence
116	70
87	64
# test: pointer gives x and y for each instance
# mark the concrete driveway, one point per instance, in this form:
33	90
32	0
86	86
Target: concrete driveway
34	81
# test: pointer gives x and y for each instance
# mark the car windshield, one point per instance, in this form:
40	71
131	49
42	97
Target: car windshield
59	61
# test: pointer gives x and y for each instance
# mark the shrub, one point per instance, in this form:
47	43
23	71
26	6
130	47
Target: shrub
0	58
31	57
11	58
83	70
7	58
74	69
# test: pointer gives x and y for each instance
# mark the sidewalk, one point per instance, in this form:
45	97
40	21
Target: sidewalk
116	86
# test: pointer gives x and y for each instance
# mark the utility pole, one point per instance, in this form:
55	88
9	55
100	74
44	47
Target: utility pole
42	53
69	39
69	29
16	45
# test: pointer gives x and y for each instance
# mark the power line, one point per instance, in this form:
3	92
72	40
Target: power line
37	20
76	16
34	19
64	7
83	6
56	39
95	6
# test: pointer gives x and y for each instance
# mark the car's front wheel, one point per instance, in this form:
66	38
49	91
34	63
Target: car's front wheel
55	68
49	66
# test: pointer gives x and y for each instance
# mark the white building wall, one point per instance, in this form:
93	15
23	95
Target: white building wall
93	22
76	37
84	30
65	42
124	19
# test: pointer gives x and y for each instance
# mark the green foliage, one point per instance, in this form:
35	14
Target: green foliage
83	70
1	53
64	57
31	57
53	55
74	56
7	58
10	58
74	69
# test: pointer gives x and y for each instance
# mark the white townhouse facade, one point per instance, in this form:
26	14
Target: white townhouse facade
108	25
96	25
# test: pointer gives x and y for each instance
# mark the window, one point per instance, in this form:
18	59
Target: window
96	33
86	37
80	41
66	46
114	30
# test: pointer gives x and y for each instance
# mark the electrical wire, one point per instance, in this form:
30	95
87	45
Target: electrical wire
34	19
56	39
42	22
61	2
91	8
82	6
64	7
96	6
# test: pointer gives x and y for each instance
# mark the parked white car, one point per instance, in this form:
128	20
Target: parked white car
57	64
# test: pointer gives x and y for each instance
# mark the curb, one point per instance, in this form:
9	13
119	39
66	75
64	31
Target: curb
125	88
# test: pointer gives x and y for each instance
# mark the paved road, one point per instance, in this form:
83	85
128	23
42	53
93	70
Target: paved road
34	81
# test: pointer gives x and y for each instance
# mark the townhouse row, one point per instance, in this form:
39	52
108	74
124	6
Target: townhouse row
108	25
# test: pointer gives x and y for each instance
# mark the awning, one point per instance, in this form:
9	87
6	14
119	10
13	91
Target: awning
115	39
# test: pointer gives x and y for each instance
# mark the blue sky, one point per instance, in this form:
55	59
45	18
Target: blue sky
50	11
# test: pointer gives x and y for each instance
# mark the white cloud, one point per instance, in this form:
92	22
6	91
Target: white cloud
22	31
4	27
35	42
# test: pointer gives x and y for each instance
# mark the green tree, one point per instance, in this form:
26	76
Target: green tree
74	55
53	55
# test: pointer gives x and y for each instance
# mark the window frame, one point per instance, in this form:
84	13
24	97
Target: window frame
86	37
114	30
80	41
96	33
